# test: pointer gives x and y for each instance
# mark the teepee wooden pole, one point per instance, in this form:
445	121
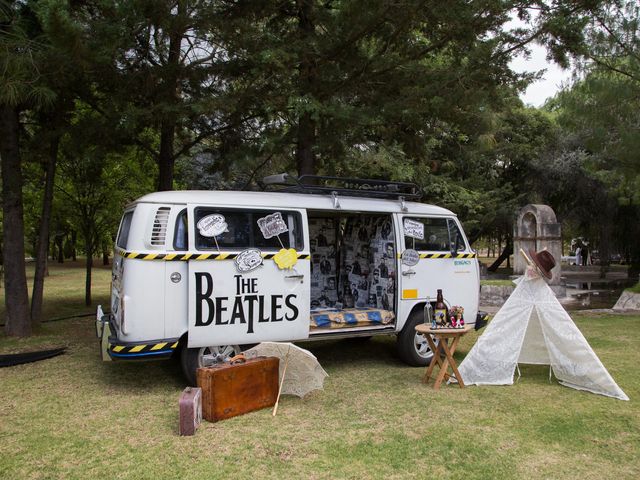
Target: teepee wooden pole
526	257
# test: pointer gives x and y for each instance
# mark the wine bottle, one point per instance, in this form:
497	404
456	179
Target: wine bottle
440	311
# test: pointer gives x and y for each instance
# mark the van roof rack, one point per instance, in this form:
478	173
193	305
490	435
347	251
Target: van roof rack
354	187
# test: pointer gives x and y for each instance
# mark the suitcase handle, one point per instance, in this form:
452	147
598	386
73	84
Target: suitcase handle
238	359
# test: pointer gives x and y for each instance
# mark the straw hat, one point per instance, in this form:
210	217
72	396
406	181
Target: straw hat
544	261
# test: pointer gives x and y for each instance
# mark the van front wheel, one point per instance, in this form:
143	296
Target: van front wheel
413	347
194	358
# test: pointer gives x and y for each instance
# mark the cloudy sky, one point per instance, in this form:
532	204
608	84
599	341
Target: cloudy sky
553	78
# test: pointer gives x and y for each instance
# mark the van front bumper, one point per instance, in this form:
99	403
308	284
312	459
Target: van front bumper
154	349
113	349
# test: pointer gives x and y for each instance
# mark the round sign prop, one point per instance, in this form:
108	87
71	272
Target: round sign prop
410	257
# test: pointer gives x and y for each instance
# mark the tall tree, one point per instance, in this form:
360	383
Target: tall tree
157	74
97	178
333	79
50	160
21	86
16	299
600	111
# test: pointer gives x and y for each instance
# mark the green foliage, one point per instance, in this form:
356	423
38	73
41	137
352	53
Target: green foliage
231	91
414	83
23	48
97	179
599	115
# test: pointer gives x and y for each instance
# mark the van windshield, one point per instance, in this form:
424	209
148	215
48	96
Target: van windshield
123	234
241	230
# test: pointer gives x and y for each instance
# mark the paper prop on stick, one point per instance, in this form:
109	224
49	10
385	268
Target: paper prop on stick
272	226
286	258
248	260
212	225
413	229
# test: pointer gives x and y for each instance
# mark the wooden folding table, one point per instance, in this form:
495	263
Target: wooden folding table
445	344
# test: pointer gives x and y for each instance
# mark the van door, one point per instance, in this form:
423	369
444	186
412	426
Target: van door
249	278
443	261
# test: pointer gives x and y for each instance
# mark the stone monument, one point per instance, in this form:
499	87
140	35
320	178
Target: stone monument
537	228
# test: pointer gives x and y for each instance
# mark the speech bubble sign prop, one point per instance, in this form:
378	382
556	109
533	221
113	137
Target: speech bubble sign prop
248	260
286	258
410	257
212	225
272	225
413	229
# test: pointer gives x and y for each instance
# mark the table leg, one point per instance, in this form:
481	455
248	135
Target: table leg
444	366
449	353
434	359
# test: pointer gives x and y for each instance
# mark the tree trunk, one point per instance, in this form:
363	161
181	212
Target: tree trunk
604	249
43	235
305	158
508	250
105	257
74	250
166	158
59	241
306	141
87	283
17	322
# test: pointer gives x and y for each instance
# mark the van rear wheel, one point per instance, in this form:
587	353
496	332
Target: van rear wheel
412	346
193	358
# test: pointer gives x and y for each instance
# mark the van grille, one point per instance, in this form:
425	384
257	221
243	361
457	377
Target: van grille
159	231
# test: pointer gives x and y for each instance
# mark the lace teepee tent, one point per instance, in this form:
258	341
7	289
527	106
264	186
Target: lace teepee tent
532	327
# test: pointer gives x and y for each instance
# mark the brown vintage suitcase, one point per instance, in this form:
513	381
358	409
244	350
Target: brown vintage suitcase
190	410
238	387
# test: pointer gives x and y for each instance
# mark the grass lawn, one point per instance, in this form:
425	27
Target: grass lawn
75	417
64	289
635	288
501	283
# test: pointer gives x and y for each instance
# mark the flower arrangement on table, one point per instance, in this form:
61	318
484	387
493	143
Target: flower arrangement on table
456	316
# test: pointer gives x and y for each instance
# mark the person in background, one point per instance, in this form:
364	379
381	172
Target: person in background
585	254
578	255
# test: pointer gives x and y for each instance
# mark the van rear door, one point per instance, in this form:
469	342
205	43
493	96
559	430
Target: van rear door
249	275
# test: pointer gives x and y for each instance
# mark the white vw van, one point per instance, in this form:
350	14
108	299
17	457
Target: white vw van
200	274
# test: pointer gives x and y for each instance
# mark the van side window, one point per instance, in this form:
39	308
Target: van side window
436	235
455	237
180	235
242	230
123	234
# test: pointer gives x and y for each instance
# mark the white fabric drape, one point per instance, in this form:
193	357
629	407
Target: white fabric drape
532	327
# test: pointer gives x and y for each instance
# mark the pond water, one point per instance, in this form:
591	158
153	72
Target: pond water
586	295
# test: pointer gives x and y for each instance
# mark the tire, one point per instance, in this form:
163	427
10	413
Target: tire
413	348
193	358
